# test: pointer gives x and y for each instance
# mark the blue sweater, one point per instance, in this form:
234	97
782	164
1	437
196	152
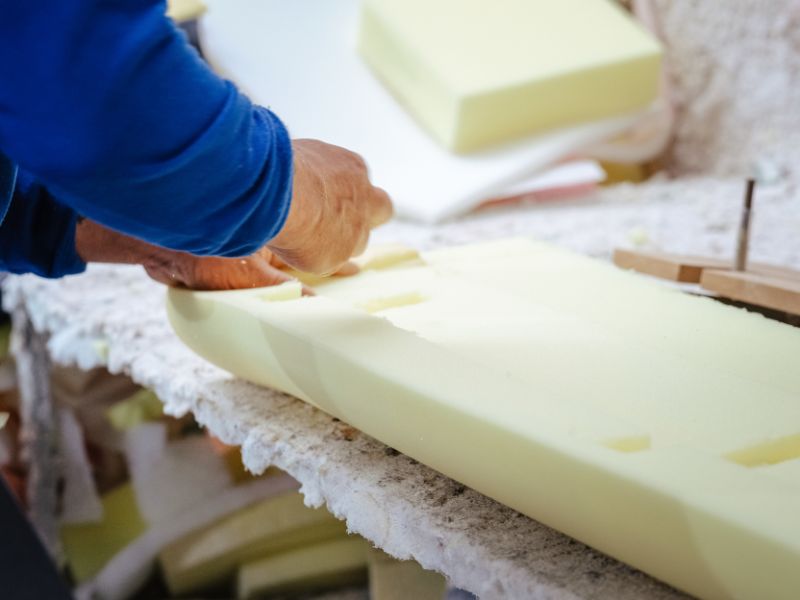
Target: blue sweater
106	112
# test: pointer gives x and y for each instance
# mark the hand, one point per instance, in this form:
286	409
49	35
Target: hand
96	243
334	207
213	273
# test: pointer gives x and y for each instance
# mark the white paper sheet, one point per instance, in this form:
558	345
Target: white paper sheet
298	57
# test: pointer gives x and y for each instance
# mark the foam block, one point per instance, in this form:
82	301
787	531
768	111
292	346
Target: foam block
476	74
656	426
327	564
211	556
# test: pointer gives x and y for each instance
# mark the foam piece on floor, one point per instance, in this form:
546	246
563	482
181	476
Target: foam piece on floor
392	579
476	74
185	10
332	563
88	547
210	556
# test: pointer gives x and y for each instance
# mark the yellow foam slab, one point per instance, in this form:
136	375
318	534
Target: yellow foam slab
658	427
211	555
475	73
326	564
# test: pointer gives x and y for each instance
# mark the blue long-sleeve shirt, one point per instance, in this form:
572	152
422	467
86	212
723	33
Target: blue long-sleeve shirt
106	112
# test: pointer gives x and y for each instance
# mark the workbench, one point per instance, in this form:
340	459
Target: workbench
113	317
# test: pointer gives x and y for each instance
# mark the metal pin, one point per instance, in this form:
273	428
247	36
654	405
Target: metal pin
744	228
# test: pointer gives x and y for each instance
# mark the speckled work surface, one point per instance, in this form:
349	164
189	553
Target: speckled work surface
734	91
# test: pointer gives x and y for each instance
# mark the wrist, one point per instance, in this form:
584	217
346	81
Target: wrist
96	243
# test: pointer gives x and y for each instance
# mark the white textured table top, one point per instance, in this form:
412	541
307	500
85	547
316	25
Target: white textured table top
114	316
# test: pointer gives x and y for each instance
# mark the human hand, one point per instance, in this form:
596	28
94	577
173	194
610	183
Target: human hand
96	243
334	208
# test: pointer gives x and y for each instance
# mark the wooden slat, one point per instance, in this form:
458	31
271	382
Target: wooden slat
674	267
762	290
687	268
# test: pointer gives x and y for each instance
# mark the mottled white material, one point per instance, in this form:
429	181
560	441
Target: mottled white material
400	505
735	86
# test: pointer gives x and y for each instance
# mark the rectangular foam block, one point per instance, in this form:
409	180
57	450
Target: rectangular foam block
658	427
475	73
212	555
326	564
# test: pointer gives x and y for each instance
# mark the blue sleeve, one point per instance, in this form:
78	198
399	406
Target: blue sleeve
37	234
109	108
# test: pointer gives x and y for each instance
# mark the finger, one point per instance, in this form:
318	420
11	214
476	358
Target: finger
233	274
348	269
381	209
277	262
361	244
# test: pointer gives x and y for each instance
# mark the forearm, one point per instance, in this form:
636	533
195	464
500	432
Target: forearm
99	244
134	131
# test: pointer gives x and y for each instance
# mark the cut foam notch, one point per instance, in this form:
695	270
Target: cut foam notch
396	301
771	452
635	443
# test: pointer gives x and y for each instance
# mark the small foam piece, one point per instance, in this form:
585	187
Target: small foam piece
211	556
392	579
476	75
3	419
185	10
326	564
142	406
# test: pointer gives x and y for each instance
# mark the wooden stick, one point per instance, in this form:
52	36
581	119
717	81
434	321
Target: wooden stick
743	240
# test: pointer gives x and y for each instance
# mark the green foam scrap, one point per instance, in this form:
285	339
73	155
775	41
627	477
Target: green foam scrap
142	407
89	546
